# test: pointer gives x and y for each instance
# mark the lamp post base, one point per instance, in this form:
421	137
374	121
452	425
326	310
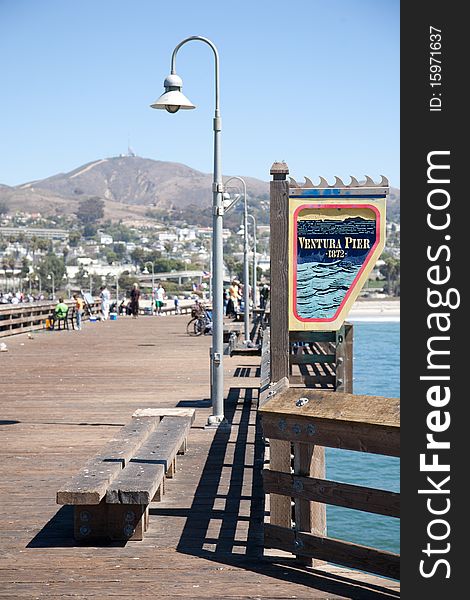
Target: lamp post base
217	422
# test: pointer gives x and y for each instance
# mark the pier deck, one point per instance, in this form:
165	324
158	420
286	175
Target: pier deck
62	395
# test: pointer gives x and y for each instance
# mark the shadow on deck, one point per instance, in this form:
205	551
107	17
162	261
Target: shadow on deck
247	553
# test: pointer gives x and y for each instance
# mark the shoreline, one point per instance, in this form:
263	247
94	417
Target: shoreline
375	310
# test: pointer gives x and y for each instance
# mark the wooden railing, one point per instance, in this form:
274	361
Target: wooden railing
21	318
308	420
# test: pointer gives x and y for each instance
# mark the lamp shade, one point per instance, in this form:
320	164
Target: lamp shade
168	100
173	99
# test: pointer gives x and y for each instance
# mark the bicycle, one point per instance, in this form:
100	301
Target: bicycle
200	323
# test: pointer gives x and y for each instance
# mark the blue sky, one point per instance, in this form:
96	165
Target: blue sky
311	82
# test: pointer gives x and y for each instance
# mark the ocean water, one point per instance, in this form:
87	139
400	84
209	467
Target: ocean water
376	373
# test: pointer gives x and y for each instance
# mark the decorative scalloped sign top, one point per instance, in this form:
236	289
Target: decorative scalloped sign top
368	183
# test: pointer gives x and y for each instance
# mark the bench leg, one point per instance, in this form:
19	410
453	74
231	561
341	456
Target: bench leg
121	522
171	469
146	518
184	447
126	521
159	493
90	521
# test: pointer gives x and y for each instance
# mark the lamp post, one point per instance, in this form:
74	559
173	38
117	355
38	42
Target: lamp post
246	270
149	262
68	286
117	293
173	100
91	284
51	276
255	264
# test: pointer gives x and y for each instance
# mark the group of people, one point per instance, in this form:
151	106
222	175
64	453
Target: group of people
233	298
19	297
157	303
61	310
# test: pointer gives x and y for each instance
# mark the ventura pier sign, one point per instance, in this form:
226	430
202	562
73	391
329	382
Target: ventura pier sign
336	234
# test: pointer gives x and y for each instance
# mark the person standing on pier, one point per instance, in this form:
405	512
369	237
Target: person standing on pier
79	304
234	296
135	298
159	299
105	299
264	295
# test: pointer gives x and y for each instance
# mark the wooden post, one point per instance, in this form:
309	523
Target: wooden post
309	461
279	224
279	450
344	359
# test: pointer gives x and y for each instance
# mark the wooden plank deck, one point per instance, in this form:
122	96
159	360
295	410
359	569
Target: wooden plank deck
62	395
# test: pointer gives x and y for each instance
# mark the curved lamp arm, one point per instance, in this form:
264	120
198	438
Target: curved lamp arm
244	192
254	226
216	56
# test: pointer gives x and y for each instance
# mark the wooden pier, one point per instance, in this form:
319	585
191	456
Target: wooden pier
63	394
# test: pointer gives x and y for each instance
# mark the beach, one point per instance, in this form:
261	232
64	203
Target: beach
375	309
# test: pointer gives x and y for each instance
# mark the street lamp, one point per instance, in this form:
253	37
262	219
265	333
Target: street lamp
39	280
255	263
246	271
149	262
68	287
91	284
172	101
117	293
51	276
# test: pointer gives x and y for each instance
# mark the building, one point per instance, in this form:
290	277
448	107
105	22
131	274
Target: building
39	232
105	239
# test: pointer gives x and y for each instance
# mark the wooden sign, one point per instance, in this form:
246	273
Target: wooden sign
336	235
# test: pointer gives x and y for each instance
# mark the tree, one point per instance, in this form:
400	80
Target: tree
81	278
111	256
235	267
24	268
51	264
74	238
138	256
391	270
164	265
4	208
43	244
90	211
89	230
120	251
126	280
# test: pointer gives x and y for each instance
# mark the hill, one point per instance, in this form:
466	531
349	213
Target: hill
130	186
140	181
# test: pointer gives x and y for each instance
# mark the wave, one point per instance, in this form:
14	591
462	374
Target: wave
321	287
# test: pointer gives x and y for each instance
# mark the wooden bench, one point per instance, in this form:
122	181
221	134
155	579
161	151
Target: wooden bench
112	492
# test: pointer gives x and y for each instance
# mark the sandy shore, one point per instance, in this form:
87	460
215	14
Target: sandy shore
375	310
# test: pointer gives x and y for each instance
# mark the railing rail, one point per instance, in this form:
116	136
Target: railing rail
21	318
